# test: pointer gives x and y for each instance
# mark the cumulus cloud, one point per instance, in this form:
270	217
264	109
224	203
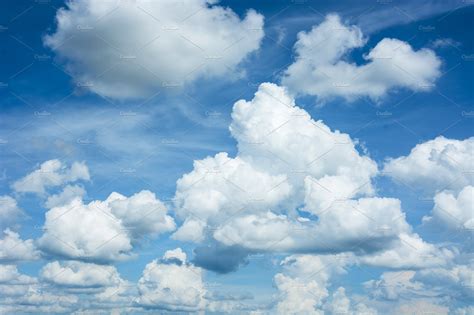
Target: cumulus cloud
220	187
172	284
9	275
13	248
357	225
51	173
10	212
269	130
433	285
66	287
69	193
103	230
143	214
191	230
74	274
454	212
265	184
118	296
435	165
131	49
85	231
267	198
410	251
20	294
303	286
321	67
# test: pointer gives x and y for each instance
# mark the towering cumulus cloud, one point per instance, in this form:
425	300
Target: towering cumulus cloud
129	49
294	186
322	69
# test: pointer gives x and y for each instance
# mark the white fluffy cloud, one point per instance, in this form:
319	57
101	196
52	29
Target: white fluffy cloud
67	288
410	251
103	230
295	186
76	274
364	224
173	284
20	294
279	137
320	67
455	212
51	173
9	211
142	213
265	184
129	49
13	248
435	165
9	274
303	286
221	187
85	231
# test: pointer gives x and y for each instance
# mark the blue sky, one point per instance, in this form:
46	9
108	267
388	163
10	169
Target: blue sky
127	97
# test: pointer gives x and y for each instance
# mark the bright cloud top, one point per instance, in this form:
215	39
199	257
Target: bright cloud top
131	49
269	199
321	67
435	165
454	212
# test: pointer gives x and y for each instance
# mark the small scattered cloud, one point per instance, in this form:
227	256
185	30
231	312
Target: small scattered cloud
445	43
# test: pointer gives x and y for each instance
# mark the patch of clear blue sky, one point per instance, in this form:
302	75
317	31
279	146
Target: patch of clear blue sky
130	146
